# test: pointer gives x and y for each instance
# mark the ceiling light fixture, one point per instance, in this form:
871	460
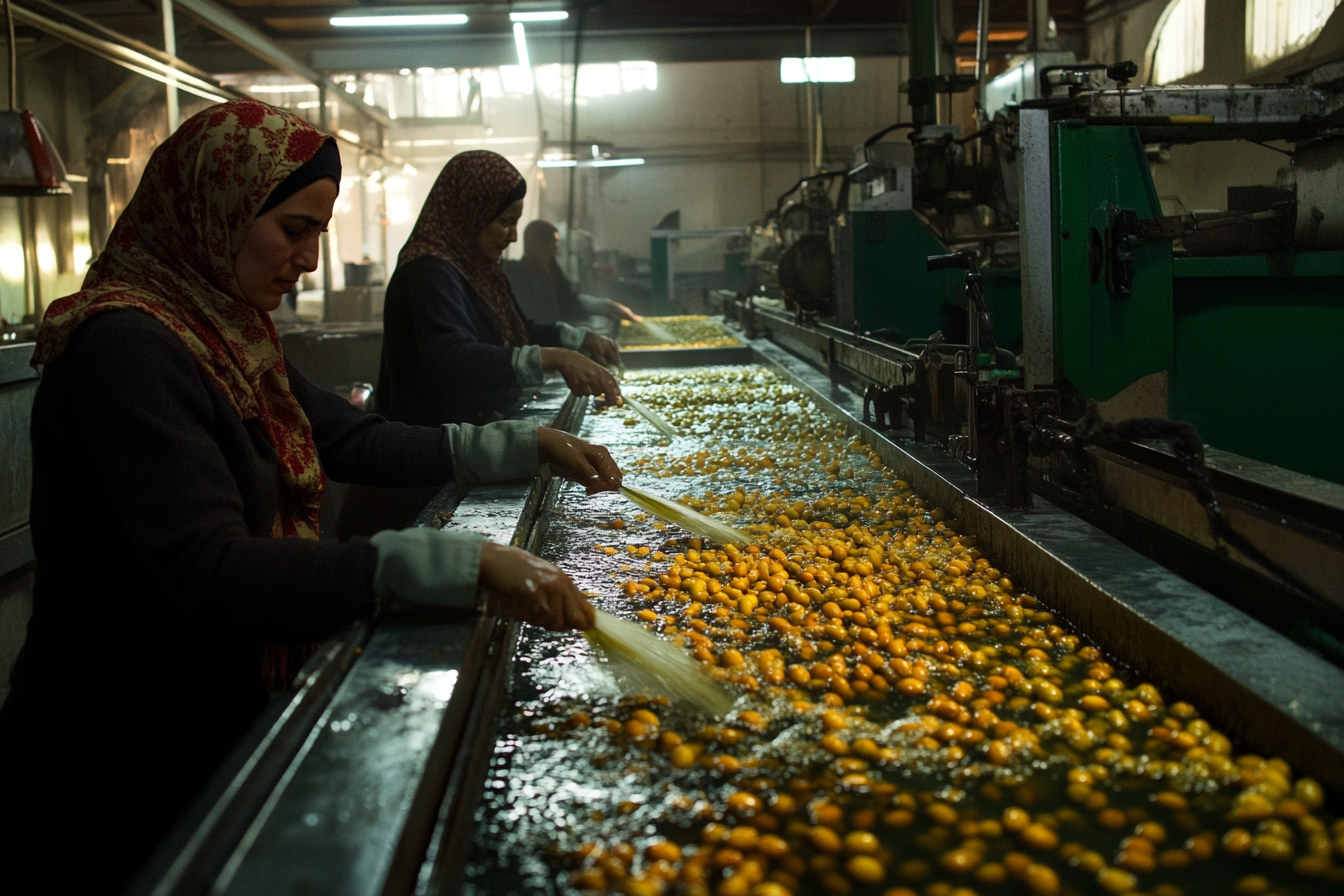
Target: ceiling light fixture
397	17
588	163
558	15
524	60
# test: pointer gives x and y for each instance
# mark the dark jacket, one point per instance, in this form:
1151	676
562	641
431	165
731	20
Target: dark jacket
443	358
157	586
544	296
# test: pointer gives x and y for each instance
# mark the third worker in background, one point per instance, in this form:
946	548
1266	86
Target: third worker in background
542	289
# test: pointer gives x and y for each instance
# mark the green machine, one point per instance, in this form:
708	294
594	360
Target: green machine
1235	334
884	252
911	200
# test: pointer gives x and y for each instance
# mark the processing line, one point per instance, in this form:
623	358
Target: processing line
1040	353
368	777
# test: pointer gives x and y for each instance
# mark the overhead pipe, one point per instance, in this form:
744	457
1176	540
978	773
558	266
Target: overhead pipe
170	48
235	29
574	139
123	51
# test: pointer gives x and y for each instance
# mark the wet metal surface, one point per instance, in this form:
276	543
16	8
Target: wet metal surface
333	823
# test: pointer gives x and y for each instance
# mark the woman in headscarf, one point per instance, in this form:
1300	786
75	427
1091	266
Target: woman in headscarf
178	470
456	347
542	289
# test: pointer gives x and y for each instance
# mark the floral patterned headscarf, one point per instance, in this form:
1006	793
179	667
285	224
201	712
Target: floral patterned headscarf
172	254
468	194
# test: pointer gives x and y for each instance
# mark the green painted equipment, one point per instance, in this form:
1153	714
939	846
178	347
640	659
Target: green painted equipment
1235	336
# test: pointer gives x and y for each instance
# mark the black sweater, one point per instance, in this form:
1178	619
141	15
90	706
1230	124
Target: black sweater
443	357
157	585
544	292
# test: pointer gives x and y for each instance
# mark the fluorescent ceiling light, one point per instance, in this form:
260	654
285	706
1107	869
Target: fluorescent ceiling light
816	69
588	163
398	19
527	84
558	15
280	88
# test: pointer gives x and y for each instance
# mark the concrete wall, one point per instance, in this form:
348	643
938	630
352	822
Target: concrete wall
722	140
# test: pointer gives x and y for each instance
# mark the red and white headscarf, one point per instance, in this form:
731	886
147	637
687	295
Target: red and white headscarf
469	193
172	255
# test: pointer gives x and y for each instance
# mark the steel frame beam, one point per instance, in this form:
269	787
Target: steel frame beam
237	31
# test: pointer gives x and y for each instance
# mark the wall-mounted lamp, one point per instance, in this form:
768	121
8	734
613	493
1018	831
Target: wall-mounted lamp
29	163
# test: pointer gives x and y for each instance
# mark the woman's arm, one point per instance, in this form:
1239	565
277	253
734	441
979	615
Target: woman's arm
173	459
367	449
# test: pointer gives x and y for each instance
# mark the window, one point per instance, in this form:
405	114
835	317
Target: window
639	76
596	79
1276	28
1180	42
815	69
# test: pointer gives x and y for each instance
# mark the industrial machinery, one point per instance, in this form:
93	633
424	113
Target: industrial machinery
1105	312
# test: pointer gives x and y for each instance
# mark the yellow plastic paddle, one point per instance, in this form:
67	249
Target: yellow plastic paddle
650	415
685	517
657	331
646	664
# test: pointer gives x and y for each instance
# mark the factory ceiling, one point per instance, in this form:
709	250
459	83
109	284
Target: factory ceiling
659	30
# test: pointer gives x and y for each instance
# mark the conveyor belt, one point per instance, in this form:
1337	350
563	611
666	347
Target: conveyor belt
278	826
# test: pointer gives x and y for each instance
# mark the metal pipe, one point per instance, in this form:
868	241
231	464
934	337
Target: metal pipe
324	125
13	61
574	141
113	50
235	29
170	47
1036	226
982	49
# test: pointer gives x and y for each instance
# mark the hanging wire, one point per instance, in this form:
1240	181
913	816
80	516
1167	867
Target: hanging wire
13	61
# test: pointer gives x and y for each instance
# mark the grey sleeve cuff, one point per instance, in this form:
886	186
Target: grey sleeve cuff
527	365
572	337
428	566
594	305
496	452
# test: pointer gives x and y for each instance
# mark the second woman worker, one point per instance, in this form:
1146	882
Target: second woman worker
456	347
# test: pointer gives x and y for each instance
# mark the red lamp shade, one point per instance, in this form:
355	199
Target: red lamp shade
29	163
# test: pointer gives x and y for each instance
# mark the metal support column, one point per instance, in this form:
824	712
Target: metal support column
923	60
324	125
1036	224
170	47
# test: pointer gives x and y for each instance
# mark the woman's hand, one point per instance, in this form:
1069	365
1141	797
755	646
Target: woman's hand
526	588
601	349
574	459
583	376
617	311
